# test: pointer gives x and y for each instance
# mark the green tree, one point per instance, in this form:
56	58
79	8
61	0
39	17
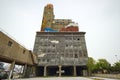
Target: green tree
102	66
91	64
116	67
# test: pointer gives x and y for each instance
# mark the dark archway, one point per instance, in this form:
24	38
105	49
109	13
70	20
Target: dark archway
52	70
67	70
80	69
40	71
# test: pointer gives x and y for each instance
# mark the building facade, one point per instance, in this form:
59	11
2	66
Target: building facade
14	53
60	47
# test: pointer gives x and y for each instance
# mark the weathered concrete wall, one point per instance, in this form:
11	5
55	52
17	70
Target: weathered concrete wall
61	48
11	51
107	75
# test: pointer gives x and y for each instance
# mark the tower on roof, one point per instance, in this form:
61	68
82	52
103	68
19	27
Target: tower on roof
48	17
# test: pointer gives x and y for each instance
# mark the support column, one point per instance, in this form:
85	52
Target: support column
24	70
11	70
84	72
74	69
45	71
33	70
60	71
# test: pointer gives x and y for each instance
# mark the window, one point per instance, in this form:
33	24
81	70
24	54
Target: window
57	22
80	54
85	55
48	20
48	51
53	51
71	55
62	23
62	55
48	60
43	60
10	43
66	45
39	60
23	51
76	56
53	45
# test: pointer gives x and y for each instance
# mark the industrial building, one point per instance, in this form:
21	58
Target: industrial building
60	47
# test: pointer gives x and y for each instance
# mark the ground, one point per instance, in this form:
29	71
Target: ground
67	78
58	78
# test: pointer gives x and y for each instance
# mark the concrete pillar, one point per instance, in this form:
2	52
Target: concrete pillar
33	70
60	71
11	70
45	71
84	72
24	70
74	69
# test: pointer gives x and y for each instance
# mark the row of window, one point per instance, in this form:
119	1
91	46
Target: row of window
43	60
51	39
10	44
53	46
66	56
61	23
59	36
69	55
60	51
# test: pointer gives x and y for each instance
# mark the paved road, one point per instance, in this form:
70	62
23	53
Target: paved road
57	78
67	78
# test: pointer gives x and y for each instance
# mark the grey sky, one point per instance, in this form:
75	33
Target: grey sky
100	19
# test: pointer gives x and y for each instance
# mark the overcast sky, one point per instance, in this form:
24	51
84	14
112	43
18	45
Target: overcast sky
100	19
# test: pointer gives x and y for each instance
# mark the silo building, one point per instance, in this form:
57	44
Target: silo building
60	47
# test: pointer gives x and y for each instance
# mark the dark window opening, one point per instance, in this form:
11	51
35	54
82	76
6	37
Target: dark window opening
66	45
48	60
23	51
78	39
10	43
48	51
76	56
48	20
43	60
53	45
53	51
80	54
39	60
85	55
